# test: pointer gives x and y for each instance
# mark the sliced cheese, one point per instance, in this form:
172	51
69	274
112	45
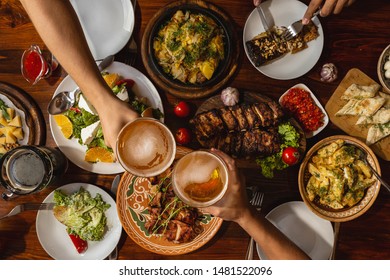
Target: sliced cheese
123	95
89	132
86	105
16	121
18	133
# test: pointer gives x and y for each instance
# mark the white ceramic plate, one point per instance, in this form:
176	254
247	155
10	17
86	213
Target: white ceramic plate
289	66
107	25
326	117
76	152
53	236
309	232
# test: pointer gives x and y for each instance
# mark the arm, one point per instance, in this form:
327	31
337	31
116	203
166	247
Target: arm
60	29
234	206
328	7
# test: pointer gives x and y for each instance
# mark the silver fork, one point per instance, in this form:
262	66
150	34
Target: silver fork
28	206
293	30
131	56
257	201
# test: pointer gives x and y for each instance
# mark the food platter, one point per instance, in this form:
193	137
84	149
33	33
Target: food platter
111	33
348	123
249	97
224	71
289	66
32	119
53	236
76	152
309	232
132	202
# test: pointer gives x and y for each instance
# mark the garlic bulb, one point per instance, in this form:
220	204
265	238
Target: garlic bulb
230	96
328	72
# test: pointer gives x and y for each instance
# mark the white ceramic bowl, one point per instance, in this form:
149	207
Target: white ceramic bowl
385	82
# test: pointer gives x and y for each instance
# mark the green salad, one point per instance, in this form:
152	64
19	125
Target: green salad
85	120
289	138
83	214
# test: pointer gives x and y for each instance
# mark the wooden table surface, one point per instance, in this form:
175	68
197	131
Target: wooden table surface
354	39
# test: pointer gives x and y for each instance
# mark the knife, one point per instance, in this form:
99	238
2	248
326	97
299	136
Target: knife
263	18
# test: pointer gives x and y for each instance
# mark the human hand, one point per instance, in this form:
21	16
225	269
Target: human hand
329	7
256	2
234	204
113	117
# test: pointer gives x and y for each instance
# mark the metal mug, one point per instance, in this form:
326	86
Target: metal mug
28	169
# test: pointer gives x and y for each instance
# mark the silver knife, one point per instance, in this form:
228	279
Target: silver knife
263	18
29	206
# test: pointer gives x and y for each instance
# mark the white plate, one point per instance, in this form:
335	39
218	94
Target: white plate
76	152
309	232
107	25
289	66
53	236
326	117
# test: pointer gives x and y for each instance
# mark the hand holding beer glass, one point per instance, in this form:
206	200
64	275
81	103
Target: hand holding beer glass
146	147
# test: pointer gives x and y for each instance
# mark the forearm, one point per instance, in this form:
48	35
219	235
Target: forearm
60	29
273	243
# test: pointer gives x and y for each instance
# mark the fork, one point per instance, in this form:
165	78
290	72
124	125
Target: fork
293	29
28	206
131	56
257	201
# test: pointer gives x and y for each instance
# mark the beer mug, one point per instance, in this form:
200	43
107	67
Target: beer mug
28	169
145	147
200	178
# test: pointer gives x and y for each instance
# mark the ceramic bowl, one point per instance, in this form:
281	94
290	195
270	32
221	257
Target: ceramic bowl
348	212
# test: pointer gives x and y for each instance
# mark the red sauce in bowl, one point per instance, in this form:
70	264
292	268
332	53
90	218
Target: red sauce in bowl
34	67
303	108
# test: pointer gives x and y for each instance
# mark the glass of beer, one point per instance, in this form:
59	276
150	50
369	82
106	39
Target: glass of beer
145	147
28	169
200	178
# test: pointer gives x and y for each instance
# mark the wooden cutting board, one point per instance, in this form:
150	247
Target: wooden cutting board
348	123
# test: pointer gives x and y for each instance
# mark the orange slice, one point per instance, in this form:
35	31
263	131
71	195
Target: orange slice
99	154
65	125
111	79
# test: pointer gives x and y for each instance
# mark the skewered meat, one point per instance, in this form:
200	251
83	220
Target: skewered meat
168	215
243	130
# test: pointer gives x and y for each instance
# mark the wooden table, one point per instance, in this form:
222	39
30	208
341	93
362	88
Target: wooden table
355	38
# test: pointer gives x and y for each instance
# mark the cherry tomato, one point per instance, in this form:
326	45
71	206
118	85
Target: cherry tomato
80	244
290	155
129	83
182	109
183	136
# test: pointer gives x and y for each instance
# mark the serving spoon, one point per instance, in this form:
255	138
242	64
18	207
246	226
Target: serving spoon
64	100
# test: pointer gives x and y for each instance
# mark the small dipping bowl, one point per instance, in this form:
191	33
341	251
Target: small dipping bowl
200	178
